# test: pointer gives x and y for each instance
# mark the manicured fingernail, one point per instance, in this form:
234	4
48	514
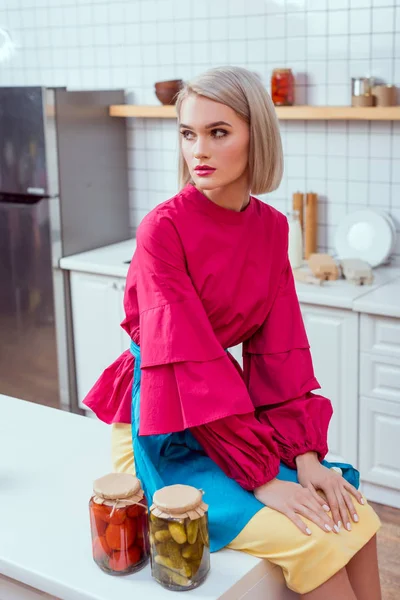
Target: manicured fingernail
339	524
355	517
348	527
362	501
308	531
327	527
326	507
336	528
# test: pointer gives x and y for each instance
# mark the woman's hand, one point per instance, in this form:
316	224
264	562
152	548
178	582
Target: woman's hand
292	500
314	476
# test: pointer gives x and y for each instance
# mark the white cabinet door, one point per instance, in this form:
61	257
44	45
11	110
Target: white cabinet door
96	316
379	447
333	337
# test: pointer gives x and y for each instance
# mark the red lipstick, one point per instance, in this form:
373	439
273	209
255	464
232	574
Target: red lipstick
204	170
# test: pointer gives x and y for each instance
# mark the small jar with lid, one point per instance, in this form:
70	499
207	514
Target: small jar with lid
179	540
119	524
282	87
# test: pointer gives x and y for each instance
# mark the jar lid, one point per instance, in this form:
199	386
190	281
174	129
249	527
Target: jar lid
179	501
116	486
282	71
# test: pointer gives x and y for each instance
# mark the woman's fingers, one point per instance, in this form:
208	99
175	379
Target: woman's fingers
334	506
350	505
318	516
298	522
318	498
344	514
350	488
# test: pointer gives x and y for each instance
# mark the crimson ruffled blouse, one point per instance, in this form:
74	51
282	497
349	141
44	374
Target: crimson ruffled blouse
203	279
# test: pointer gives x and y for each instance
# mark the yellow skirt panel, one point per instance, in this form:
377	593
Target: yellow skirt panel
306	561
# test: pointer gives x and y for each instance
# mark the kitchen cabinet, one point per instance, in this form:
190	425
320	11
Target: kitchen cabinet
333	337
380	408
97	311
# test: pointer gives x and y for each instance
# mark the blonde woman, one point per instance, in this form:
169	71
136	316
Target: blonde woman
210	271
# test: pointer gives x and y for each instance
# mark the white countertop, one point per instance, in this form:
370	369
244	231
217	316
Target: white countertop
48	461
383	301
111	261
342	294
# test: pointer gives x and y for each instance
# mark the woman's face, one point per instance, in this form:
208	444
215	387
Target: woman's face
214	136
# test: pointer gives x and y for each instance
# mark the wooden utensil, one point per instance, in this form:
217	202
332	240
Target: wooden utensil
311	225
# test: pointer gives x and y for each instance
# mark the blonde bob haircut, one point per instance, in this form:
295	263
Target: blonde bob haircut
243	91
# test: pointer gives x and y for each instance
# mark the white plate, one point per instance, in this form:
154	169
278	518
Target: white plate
365	234
393	226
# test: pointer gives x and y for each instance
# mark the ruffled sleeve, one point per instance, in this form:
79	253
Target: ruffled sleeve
187	377
111	396
242	447
279	373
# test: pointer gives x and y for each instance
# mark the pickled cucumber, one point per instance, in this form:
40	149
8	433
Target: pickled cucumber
172	550
192	528
193	552
178	533
161	548
168	576
157	523
164	561
162	535
180	579
204	531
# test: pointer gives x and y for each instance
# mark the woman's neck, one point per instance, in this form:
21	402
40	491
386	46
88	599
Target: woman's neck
234	196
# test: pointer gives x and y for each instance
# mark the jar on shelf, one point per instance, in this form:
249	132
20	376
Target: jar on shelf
282	87
179	540
119	524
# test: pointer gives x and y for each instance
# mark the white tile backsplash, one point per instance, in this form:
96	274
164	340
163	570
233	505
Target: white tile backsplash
360	21
131	44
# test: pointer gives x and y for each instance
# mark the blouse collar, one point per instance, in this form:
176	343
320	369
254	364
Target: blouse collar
215	211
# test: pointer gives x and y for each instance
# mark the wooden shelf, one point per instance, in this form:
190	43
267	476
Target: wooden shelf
146	112
338	113
285	113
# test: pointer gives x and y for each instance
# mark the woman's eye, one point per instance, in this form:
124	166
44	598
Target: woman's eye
187	134
219	133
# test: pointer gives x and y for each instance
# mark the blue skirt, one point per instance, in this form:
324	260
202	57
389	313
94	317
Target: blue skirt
179	458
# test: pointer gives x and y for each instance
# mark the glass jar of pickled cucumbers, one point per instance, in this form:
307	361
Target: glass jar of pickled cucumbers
119	524
179	541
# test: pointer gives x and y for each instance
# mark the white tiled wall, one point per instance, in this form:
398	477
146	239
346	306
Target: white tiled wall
133	43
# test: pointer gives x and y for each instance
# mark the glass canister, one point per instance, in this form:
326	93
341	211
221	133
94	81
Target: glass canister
119	524
282	87
179	540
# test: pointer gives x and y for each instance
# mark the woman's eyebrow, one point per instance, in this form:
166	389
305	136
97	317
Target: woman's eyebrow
209	126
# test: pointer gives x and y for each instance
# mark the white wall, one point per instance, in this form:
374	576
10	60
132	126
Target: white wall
133	43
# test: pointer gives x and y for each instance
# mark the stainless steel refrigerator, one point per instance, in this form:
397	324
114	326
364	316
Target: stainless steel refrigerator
63	190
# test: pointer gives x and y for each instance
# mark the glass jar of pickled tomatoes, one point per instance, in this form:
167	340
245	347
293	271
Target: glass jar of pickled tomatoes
179	541
119	524
282	87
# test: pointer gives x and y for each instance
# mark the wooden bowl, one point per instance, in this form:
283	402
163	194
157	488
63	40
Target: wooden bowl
166	91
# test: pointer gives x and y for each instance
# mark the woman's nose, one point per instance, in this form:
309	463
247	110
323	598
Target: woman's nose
200	149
